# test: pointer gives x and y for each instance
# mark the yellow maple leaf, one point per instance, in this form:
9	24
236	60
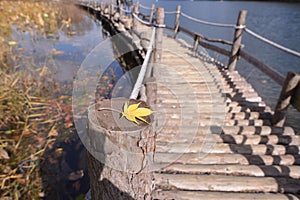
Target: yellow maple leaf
133	112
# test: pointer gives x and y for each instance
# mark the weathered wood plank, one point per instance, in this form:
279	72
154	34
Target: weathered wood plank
229	130
235	170
232	139
226	183
203	195
217	158
253	149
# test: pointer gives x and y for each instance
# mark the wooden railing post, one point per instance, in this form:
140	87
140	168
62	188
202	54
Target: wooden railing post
290	84
160	18
111	8
136	12
196	43
119	161
237	40
177	21
121	8
101	6
151	13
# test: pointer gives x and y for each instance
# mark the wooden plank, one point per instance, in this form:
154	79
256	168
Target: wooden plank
226	183
235	170
231	138
253	149
204	195
234	116
216	158
197	120
215	109
230	130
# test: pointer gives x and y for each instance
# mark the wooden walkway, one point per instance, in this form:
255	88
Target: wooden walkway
215	140
214	135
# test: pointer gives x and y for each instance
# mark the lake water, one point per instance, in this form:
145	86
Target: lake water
277	21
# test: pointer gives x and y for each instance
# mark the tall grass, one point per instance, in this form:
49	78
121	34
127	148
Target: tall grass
30	115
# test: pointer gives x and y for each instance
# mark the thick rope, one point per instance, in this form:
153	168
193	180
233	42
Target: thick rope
140	79
141	21
170	12
126	11
145	7
295	53
212	23
147	23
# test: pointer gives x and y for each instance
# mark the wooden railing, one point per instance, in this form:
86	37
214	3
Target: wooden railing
290	93
290	85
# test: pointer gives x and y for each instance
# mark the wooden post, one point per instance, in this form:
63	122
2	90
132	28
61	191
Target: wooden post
196	43
151	13
290	84
136	12
121	6
160	18
177	21
111	9
120	153
295	101
151	91
101	6
237	40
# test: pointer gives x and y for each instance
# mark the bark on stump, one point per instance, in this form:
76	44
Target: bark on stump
120	153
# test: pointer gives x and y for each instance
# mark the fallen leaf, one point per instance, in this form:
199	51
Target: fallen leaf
12	43
8	132
68	124
3	154
133	111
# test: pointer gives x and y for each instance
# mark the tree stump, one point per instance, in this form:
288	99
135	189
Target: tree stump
120	153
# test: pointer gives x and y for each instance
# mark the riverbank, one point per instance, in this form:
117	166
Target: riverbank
38	140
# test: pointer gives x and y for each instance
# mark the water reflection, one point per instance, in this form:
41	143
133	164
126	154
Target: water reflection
46	43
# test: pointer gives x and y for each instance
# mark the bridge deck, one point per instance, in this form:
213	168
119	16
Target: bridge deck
214	138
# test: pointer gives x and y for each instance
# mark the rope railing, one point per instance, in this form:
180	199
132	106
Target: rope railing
125	10
211	23
145	7
171	12
148	23
140	79
283	48
271	42
237	27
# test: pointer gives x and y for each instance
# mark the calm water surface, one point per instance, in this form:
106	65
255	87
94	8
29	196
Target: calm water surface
54	39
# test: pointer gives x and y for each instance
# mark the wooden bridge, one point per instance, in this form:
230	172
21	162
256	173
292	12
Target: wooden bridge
215	137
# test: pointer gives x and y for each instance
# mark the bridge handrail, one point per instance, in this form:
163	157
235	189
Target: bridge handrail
295	53
256	35
145	7
125	10
148	23
140	79
211	23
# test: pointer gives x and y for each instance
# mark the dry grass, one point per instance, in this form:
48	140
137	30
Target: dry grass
31	118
